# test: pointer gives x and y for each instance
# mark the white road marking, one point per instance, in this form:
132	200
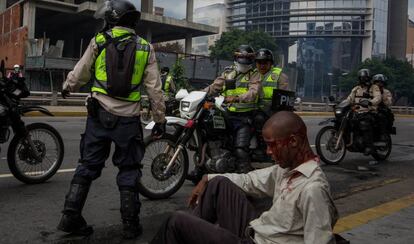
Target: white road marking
59	171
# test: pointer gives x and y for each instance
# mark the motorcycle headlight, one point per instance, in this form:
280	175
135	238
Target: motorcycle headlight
338	112
185	106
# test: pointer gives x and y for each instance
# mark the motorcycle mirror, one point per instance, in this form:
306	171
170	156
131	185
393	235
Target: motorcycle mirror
182	93
218	101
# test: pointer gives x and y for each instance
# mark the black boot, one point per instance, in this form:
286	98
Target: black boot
72	220
130	207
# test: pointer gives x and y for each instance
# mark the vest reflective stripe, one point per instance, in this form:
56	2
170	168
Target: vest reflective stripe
242	87
167	84
141	60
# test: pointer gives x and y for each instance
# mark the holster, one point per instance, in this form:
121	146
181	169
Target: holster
92	105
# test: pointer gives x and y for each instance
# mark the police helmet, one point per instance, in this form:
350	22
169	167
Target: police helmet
264	54
364	76
244	54
118	12
379	78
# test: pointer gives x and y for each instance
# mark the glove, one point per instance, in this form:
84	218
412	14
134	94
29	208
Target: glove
365	103
65	93
158	130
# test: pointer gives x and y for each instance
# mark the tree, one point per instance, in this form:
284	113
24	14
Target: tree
174	47
178	73
231	40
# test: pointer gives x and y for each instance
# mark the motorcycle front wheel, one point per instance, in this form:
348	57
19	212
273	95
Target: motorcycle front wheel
154	184
326	140
23	163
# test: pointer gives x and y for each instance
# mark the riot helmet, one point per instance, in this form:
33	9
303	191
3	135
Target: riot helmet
364	77
264	54
16	68
118	12
244	54
380	79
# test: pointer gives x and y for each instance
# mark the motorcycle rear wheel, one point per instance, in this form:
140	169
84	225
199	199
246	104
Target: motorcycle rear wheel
382	153
24	166
153	185
325	146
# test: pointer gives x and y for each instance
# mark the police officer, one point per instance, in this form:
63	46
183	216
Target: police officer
168	85
113	113
242	100
369	96
385	115
16	74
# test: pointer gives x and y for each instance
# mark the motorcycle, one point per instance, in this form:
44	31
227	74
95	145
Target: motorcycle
36	151
204	129
333	141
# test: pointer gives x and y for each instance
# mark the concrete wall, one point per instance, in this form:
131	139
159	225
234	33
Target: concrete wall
12	36
410	42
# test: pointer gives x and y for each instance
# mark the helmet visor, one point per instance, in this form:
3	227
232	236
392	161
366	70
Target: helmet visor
102	10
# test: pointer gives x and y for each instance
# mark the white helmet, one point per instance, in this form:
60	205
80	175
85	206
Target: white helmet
16	66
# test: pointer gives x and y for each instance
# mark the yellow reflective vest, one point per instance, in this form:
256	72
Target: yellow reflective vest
269	83
141	60
242	87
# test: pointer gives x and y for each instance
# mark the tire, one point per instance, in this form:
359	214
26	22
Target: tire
329	147
387	150
154	193
17	150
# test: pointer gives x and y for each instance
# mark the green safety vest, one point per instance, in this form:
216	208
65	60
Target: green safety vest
141	60
242	87
269	83
167	84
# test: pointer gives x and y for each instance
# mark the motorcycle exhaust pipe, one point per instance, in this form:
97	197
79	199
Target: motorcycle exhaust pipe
172	161
341	134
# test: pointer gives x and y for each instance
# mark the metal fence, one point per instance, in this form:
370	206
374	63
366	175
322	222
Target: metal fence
78	99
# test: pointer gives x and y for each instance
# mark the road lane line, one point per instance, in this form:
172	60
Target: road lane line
59	171
354	220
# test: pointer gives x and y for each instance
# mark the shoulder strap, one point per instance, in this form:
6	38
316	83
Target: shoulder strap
109	39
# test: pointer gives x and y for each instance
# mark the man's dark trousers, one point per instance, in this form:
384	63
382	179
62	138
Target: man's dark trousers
222	216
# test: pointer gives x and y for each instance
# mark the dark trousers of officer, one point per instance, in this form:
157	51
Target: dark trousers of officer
222	216
95	146
366	123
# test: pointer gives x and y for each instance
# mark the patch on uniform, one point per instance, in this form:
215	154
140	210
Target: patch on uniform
274	77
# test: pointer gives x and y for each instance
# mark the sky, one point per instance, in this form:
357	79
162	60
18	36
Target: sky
176	8
411	9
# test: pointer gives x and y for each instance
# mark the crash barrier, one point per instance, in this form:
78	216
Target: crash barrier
78	99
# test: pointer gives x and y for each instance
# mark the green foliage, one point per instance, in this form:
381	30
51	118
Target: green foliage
231	40
178	73
400	76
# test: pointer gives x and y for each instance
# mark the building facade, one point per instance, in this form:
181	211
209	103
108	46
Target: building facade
213	15
322	39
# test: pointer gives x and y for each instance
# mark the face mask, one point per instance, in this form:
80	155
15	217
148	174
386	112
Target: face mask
242	68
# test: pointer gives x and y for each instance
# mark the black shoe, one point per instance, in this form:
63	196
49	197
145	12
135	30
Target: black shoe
74	224
131	230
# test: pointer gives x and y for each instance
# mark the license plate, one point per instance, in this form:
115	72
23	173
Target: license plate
219	122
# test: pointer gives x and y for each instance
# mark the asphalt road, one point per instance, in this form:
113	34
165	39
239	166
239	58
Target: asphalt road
30	213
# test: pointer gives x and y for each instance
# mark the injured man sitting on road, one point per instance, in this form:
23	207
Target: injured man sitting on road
302	210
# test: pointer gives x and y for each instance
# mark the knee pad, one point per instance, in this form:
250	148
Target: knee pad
243	137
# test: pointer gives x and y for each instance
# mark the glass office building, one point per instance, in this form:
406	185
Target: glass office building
323	39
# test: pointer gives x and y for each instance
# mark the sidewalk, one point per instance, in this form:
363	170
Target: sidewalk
80	111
